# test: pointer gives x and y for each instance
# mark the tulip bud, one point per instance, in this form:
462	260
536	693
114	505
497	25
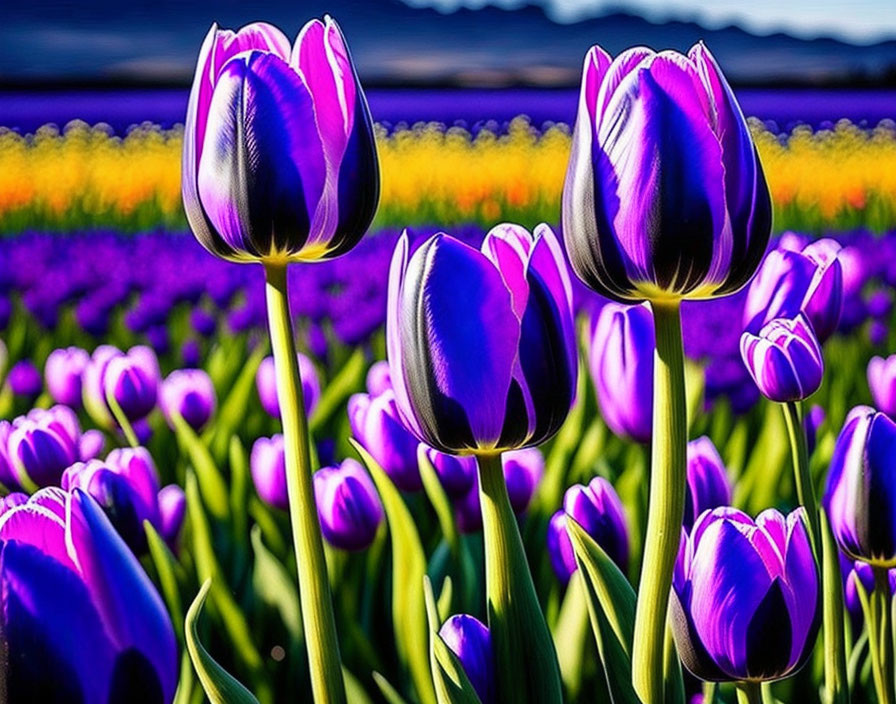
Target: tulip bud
882	382
133	381
470	641
189	393
172	509
348	506
708	485
784	359
24	379
746	599
267	463
861	573
665	197
41	445
310	189
62	371
266	383
376	425
620	357
91	444
456	474
511	301
378	379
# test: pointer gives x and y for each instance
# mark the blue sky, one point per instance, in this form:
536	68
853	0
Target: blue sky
856	20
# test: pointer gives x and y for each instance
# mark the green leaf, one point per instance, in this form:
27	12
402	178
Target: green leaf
445	595
239	489
167	569
611	606
232	413
276	587
408	569
211	483
569	635
220	687
437	497
835	672
451	682
349	379
387	690
354	690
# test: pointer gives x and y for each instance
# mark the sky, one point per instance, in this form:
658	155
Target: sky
862	21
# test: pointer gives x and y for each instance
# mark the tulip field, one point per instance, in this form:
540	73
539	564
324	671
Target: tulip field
299	406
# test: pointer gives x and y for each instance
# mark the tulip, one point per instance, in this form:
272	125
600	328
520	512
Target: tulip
512	301
784	359
24	379
348	506
665	197
882	382
41	445
378	378
620	357
746	596
190	394
191	353
789	283
861	574
132	381
93	385
376	425
599	511
62	372
457	475
10	501
708	485
172	509
310	189
81	620
470	641
266	383
267	464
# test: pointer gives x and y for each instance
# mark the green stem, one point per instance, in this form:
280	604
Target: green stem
666	503
805	491
836	679
749	693
122	419
526	659
881	643
314	588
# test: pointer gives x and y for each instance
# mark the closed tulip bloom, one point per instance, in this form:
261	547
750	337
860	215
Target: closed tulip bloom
480	342
862	574
789	282
784	359
708	485
597	508
378	379
268	466
523	470
665	197
62	372
456	474
91	444
266	383
746	598
81	621
24	379
172	509
133	381
861	488
191	394
279	159
470	641
620	357
882	382
93	385
376	425
348	506
41	445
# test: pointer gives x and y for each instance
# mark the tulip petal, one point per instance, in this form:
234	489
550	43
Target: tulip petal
800	587
769	636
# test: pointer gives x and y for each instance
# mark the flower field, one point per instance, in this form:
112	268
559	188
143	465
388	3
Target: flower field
300	406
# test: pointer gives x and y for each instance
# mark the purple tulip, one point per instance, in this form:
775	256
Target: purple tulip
378	379
456	474
133	381
10	501
267	463
664	195
172	509
81	621
882	382
376	425
62	371
24	379
266	383
511	303
599	511
203	322
470	641
41	445
784	359
620	357
861	573
348	506
191	353
191	394
861	491
708	485
789	283
746	598
91	444
311	187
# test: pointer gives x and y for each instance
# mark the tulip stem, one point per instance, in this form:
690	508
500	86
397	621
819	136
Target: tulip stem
666	502
836	680
122	419
799	452
526	659
314	588
749	693
881	643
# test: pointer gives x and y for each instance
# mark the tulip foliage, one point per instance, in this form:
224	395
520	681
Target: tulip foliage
642	454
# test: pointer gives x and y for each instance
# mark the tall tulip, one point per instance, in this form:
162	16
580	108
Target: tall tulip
708	484
510	301
279	165
664	200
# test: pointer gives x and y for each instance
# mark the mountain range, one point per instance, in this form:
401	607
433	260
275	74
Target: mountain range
100	41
